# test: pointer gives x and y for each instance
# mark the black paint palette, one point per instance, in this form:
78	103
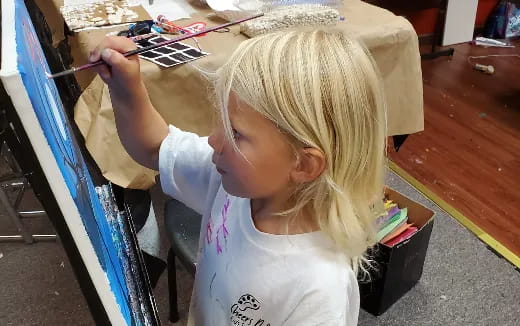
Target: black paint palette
170	55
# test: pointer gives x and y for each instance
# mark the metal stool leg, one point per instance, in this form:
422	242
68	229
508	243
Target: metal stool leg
24	235
13	215
172	288
23	184
17	180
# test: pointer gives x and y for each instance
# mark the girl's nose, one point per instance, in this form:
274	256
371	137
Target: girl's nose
215	140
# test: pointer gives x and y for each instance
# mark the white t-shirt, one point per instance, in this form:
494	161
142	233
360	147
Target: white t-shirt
245	276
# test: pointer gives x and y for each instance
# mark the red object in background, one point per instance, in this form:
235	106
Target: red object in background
195	27
170	27
402	237
424	20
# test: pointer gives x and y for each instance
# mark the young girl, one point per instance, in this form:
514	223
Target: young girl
286	183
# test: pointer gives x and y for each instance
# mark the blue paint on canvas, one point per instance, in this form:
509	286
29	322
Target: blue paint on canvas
50	113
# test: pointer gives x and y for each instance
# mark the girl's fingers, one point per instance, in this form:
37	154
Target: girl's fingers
119	43
104	73
111	50
116	43
113	58
94	55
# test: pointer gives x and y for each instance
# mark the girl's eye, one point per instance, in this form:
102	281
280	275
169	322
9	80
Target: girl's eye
236	134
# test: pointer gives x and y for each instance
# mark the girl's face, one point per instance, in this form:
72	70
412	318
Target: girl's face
262	167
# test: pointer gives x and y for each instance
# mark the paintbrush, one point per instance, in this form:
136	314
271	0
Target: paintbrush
151	47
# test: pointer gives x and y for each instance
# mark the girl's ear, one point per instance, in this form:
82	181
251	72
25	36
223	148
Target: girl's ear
310	163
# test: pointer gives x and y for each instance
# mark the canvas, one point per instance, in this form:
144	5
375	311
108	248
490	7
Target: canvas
101	242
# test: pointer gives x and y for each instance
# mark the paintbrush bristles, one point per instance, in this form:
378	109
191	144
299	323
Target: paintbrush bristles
60	74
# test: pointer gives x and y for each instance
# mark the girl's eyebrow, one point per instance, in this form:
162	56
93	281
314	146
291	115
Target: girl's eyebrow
234	121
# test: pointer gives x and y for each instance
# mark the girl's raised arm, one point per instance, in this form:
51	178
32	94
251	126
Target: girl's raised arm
140	127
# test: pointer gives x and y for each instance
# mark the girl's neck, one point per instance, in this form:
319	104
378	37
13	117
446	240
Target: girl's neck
264	213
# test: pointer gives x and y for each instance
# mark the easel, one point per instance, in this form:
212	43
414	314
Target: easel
40	133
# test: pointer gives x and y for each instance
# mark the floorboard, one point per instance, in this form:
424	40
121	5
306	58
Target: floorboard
469	152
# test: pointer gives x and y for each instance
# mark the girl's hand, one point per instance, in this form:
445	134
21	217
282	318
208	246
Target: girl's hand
121	74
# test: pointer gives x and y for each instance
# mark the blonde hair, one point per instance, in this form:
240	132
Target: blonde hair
323	89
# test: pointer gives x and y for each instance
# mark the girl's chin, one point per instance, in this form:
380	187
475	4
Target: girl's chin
232	189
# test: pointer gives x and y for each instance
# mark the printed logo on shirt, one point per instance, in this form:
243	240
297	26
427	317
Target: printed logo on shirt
242	310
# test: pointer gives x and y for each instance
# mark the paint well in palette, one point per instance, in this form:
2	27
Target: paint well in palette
178	46
158	40
193	53
167	61
163	50
180	57
150	54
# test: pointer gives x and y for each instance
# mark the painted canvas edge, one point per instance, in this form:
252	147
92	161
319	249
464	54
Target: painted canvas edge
15	88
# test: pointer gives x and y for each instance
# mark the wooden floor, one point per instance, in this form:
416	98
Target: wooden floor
469	152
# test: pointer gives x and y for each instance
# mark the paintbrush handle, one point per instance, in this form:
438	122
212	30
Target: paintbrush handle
154	46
